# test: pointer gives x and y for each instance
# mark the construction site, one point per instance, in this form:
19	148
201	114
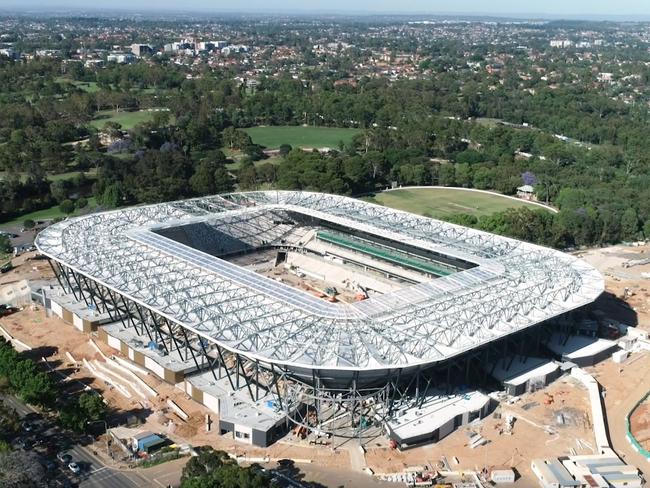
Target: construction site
332	331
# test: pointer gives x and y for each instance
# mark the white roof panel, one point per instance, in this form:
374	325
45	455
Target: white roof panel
515	285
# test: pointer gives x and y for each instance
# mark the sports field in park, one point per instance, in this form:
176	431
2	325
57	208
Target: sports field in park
272	137
440	202
126	119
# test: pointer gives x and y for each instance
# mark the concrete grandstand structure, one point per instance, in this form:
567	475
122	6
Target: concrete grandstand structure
363	312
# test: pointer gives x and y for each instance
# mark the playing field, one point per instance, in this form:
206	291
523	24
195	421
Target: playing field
87	86
298	136
127	120
440	202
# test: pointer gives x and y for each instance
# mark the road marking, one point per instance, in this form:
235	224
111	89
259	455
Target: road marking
99	469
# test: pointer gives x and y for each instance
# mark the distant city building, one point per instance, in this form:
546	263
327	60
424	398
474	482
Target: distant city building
48	53
605	77
234	49
9	52
563	43
120	58
141	49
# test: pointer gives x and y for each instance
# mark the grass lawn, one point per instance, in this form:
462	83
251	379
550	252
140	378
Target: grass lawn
45	214
272	137
127	120
90	174
237	161
87	86
440	202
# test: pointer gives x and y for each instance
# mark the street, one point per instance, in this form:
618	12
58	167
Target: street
97	474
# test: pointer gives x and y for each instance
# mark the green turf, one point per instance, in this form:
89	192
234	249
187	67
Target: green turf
236	164
45	214
298	136
127	120
87	86
441	202
91	173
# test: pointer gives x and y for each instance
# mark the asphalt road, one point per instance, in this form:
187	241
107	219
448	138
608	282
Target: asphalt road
95	473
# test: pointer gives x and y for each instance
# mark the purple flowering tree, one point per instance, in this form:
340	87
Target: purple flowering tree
529	178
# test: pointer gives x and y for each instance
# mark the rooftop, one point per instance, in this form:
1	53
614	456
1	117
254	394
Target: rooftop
512	286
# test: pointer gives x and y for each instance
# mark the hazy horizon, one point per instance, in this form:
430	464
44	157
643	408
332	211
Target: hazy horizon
586	9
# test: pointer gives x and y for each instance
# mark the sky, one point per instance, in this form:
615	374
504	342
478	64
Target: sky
555	8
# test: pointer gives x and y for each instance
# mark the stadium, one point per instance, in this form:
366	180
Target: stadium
322	313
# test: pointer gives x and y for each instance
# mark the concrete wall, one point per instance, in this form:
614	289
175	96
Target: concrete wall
57	309
211	402
72	318
140	359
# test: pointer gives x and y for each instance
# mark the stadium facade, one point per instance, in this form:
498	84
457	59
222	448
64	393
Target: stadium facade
436	298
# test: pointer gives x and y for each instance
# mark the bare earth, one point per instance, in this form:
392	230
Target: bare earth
536	432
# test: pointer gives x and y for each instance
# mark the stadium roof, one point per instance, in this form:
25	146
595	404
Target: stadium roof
514	286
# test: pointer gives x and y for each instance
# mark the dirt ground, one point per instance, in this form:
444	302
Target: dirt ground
26	267
620	265
537	430
51	337
640	424
536	433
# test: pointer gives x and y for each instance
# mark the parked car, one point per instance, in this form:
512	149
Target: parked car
25	444
74	467
64	457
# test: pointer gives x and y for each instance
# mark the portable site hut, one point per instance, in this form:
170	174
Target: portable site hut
146	442
552	474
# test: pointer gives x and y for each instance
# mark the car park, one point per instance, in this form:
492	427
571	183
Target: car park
25	444
64	457
49	465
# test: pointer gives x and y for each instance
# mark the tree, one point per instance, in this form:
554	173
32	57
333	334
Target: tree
71	418
39	390
463	175
5	244
21	469
113	195
29	224
215	469
207	461
629	225
284	149
92	406
59	190
67	207
222	180
77	413
203	180
82	203
21	372
247	175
